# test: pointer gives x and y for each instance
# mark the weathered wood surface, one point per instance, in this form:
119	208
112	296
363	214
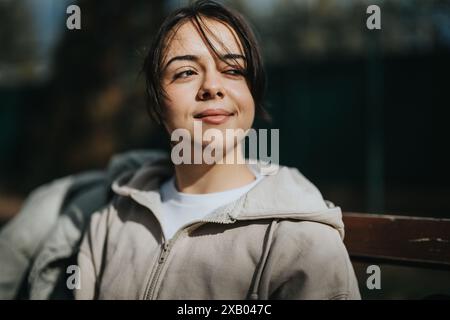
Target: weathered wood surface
398	238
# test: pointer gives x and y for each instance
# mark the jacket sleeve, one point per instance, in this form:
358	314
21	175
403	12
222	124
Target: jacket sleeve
22	237
307	260
90	256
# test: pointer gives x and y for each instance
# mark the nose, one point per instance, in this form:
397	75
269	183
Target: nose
211	87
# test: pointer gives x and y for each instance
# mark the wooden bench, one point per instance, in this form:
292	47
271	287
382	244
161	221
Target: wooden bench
413	254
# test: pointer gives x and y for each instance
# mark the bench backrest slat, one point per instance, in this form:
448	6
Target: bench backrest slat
398	238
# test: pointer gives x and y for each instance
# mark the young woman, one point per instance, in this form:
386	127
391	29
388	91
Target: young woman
212	231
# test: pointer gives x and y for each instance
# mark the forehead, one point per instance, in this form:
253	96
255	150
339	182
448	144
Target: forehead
187	39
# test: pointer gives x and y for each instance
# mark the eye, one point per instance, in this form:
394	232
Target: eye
184	74
235	72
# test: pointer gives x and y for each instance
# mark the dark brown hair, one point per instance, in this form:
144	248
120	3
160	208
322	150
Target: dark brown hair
254	72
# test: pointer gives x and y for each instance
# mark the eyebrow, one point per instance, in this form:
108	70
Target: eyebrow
189	57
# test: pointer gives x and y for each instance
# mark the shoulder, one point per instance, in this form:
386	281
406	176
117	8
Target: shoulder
308	260
309	238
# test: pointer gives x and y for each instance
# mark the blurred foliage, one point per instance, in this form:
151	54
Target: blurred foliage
92	105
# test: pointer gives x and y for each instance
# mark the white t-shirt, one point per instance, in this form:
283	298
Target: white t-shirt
180	208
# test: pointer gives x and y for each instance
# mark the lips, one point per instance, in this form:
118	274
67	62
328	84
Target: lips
214	116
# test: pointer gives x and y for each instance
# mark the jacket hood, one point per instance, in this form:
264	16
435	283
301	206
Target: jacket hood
283	194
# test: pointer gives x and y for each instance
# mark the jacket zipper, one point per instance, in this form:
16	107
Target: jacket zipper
151	285
150	291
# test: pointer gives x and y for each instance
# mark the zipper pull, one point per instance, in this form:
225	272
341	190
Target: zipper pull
164	252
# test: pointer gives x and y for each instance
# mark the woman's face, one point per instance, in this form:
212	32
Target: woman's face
200	86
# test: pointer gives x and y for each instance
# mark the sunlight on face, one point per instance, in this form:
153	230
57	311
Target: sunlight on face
200	86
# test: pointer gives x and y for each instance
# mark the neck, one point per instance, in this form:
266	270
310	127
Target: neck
208	178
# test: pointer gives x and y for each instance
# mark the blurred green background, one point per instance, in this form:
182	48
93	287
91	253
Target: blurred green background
363	114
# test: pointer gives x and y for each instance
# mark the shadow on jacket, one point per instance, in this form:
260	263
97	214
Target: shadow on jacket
43	239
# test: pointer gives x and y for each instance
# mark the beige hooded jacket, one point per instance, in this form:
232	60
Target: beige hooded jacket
281	240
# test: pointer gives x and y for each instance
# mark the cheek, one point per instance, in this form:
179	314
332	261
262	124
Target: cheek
176	98
244	99
177	109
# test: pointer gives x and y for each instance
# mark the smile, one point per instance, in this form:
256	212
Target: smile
214	116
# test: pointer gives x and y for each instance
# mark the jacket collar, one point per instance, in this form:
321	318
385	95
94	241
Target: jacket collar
287	194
